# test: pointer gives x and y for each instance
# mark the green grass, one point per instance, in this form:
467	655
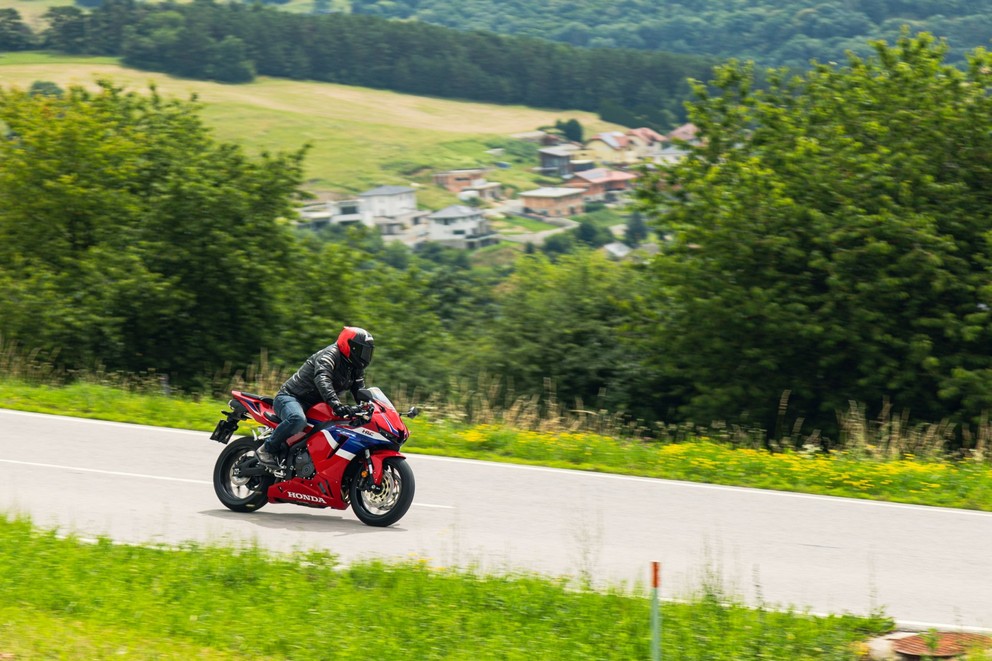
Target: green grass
606	217
862	471
360	138
521	224
64	598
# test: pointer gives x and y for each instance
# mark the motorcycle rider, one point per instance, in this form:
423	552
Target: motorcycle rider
333	369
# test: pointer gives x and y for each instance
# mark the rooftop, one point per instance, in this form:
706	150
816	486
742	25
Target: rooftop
456	211
386	190
552	192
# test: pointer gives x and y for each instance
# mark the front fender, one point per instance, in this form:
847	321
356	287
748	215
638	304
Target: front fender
378	459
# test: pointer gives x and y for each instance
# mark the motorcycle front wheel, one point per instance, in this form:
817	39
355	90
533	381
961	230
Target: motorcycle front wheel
238	492
386	504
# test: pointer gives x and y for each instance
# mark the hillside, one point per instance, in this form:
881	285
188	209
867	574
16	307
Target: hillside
360	137
773	32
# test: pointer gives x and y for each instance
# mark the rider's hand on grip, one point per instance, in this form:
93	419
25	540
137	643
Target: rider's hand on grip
341	410
361	412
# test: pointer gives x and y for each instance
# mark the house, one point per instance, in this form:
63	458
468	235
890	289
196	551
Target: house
648	143
334	212
602	184
617	250
393	210
557	161
685	133
488	191
553	201
459	226
612	147
389	201
455	181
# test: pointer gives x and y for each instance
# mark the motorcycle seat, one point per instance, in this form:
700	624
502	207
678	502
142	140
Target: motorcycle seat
273	417
261	398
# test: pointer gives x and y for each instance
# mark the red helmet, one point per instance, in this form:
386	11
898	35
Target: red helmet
356	345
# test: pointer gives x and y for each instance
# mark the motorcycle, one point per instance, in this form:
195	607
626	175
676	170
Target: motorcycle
334	462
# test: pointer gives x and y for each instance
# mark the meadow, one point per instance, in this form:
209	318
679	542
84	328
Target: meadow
68	598
359	138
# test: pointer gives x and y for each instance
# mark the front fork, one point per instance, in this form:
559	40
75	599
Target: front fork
368	474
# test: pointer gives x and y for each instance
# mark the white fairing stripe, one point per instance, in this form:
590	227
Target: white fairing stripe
344	454
330	439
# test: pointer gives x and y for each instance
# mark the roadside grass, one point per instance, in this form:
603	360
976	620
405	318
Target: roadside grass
867	468
360	138
66	598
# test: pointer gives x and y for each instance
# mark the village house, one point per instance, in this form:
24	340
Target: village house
455	181
686	133
553	201
602	184
393	210
648	143
613	148
334	212
557	161
460	226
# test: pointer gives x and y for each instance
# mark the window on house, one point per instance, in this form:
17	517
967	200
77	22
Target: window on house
458	232
349	209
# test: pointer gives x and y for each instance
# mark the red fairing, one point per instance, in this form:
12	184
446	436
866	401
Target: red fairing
302	492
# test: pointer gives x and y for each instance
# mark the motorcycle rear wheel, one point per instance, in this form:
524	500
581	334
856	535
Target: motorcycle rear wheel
385	505
240	494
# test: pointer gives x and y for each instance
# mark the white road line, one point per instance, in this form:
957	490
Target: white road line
148	477
104	472
125	425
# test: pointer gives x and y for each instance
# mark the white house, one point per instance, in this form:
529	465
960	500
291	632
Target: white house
459	226
334	212
389	201
393	209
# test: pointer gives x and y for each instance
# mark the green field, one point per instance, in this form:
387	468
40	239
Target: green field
72	599
360	138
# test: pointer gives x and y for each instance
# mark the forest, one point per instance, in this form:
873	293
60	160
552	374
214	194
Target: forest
234	42
830	244
771	32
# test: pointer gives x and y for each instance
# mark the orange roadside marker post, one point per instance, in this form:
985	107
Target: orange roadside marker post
655	612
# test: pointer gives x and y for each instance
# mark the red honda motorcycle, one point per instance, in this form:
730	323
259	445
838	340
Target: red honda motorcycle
334	462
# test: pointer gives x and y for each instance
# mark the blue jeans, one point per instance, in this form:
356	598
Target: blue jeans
293	421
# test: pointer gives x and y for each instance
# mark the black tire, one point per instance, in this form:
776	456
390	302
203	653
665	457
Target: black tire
393	500
237	493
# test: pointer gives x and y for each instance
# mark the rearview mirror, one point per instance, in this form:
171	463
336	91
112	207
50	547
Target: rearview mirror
413	412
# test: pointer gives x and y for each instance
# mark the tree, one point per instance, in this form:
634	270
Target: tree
567	323
831	241
637	230
571	129
131	239
45	88
14	34
66	30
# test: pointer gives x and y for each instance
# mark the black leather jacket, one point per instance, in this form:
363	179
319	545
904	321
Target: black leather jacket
322	377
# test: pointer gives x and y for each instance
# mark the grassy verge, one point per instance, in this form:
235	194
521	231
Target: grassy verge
63	598
857	473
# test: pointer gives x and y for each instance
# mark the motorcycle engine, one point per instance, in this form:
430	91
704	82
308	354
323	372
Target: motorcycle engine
303	466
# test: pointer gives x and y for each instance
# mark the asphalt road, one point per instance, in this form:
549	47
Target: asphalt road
925	566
